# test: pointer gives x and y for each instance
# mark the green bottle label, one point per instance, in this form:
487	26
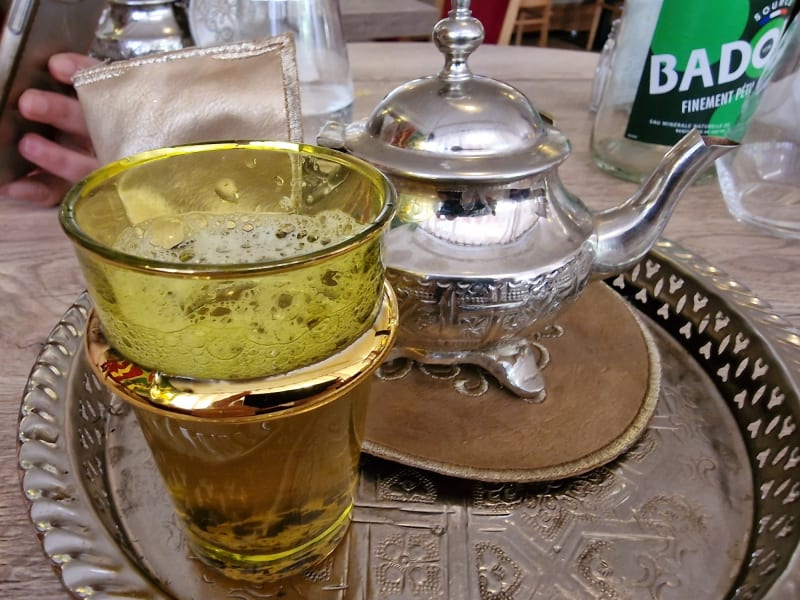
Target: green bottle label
704	60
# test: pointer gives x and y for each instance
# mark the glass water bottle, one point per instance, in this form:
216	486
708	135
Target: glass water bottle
677	66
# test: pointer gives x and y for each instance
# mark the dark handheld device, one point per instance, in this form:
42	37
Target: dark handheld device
34	30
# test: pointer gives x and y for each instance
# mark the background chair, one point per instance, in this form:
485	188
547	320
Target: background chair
526	15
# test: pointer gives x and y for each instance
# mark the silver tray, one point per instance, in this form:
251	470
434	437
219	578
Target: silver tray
705	505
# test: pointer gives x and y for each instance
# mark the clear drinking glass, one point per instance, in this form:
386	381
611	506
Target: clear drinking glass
761	179
326	85
131	28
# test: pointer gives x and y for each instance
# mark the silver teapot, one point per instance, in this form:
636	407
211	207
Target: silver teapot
487	243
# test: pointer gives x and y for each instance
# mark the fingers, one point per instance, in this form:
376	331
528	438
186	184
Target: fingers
59	168
63	112
64	65
38	188
64	162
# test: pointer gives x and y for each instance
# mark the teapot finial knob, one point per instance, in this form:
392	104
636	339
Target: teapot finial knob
457	36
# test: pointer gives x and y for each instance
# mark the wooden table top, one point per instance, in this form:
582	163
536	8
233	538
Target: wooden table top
39	276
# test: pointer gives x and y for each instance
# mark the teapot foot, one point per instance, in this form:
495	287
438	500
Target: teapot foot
517	365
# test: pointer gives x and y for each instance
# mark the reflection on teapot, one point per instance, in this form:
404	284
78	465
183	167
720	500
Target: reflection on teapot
487	242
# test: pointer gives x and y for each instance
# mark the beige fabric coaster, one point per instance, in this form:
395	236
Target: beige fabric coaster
240	91
602	388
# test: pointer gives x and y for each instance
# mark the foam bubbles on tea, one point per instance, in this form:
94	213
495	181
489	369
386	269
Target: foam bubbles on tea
241	326
207	238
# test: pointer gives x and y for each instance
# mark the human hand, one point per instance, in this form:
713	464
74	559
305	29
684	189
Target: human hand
66	159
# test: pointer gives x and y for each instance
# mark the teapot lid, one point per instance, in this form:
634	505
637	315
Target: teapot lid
454	125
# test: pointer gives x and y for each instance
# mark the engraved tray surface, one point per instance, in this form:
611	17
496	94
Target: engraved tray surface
705	505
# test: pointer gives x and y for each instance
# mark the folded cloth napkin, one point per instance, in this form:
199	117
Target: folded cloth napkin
239	91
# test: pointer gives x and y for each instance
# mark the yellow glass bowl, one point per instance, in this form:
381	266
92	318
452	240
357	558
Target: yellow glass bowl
232	260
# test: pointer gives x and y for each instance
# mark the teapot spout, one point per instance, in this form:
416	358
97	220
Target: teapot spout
624	234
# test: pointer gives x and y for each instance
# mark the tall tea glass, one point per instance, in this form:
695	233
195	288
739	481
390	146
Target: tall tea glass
262	475
240	308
